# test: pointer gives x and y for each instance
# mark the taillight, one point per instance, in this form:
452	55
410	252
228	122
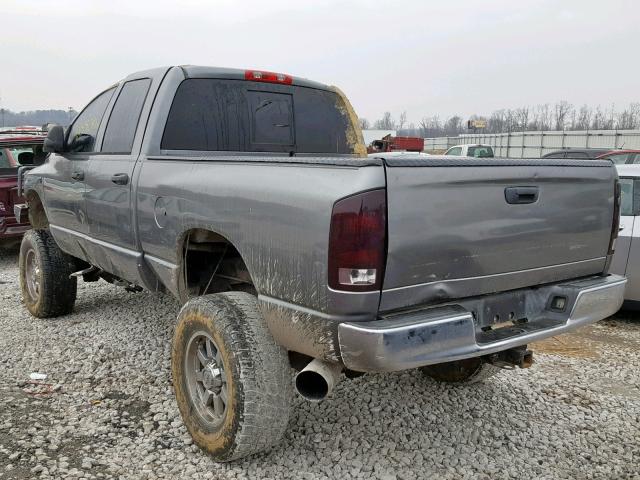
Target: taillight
269	77
616	218
357	242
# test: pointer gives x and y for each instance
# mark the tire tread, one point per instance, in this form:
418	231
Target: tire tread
58	290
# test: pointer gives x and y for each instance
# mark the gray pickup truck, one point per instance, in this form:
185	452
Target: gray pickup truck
249	197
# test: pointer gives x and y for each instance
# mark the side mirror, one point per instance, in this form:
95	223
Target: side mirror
54	143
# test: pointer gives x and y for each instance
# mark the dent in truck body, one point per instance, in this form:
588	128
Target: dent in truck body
280	229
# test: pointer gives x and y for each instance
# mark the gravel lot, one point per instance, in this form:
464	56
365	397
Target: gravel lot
109	411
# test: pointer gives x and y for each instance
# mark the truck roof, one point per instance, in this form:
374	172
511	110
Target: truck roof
199	71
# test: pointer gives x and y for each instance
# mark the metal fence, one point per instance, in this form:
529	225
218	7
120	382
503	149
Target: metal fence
536	144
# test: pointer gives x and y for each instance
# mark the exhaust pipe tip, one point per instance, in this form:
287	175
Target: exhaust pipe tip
312	386
316	381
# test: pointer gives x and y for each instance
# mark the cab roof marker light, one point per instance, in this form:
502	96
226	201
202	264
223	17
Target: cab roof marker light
267	77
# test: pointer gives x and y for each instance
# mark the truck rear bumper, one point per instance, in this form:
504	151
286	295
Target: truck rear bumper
448	333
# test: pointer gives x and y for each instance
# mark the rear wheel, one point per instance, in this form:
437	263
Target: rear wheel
232	381
45	282
470	370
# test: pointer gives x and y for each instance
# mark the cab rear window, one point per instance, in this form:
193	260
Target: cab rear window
245	116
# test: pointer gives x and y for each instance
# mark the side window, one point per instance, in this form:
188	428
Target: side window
555	155
123	121
576	155
199	114
480	152
454	151
619	159
626	206
4	158
636	158
82	136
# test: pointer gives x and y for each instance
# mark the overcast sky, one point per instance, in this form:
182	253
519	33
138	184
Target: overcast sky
425	57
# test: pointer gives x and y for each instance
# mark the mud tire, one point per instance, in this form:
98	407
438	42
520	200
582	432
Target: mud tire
56	291
258	379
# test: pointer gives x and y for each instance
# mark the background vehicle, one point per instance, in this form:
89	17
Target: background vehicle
248	195
393	144
18	147
477	151
626	260
582	153
619	157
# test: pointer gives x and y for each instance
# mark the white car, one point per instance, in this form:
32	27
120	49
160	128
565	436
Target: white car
471	150
398	154
626	259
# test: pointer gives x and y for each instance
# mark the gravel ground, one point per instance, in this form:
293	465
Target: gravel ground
108	410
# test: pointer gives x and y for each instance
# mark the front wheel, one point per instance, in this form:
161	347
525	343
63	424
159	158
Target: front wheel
45	282
232	381
470	370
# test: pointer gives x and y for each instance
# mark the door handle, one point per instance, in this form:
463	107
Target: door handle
120	178
77	175
520	195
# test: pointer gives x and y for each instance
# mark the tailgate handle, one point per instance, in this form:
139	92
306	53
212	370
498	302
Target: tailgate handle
520	195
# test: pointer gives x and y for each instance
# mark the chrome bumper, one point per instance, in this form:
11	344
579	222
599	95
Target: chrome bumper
449	333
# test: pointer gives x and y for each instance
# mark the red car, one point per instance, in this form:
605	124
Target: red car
618	157
18	148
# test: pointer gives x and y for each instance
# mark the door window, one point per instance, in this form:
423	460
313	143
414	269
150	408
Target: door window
627	190
82	135
454	151
123	121
480	152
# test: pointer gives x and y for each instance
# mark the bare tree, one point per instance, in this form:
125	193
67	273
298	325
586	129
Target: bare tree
544	115
510	122
430	127
364	123
562	110
629	118
560	116
496	122
599	119
583	121
402	120
522	118
385	123
453	125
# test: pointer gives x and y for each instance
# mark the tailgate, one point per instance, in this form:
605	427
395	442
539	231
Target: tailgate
453	233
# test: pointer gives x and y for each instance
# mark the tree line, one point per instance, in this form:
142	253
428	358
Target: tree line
36	118
560	116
